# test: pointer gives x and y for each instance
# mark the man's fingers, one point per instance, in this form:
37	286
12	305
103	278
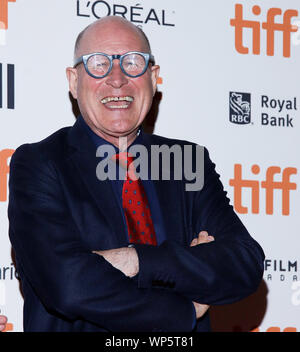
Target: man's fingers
3	319
203	237
200	309
194	242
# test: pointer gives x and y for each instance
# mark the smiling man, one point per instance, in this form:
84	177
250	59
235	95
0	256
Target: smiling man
126	254
115	104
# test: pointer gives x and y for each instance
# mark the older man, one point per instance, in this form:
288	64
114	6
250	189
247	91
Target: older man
120	255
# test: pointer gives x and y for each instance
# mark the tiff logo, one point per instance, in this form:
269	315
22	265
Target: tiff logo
10	86
4	19
270	26
238	184
5	156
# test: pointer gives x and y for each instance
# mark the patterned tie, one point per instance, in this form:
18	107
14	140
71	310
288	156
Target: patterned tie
135	204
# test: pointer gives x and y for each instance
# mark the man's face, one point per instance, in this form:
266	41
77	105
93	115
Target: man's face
113	119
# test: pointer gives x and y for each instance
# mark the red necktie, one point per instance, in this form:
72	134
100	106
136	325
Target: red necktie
135	205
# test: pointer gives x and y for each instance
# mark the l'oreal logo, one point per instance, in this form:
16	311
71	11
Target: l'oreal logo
136	14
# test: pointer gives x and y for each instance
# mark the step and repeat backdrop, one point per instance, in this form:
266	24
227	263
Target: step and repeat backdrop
230	80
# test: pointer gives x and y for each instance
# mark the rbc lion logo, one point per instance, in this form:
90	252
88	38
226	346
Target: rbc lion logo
240	108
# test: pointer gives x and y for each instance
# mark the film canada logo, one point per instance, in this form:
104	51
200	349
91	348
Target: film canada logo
240	108
135	13
276	179
4	19
276	20
280	270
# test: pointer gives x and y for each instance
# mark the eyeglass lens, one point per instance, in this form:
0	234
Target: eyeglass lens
133	64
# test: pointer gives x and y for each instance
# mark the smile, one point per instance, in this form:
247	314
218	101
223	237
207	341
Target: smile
117	102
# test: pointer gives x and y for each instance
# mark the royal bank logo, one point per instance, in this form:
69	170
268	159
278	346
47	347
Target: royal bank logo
4	20
270	111
240	108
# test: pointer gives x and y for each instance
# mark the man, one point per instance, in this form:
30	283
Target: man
84	264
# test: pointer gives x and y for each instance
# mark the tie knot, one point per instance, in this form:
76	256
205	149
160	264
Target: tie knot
126	159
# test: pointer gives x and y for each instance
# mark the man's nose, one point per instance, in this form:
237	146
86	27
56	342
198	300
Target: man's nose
116	78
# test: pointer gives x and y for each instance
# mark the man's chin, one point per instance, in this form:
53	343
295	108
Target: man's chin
123	133
122	128
113	134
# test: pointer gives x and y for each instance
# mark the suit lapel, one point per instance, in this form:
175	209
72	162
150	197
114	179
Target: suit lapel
171	199
83	156
169	195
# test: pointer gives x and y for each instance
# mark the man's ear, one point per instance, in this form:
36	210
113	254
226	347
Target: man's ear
72	77
154	76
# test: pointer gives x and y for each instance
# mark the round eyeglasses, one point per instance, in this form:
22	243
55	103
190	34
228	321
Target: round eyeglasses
99	65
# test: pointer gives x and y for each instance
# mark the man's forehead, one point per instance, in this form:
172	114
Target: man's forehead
112	35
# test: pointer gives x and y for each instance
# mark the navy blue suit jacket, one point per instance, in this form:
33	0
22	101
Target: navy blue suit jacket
59	212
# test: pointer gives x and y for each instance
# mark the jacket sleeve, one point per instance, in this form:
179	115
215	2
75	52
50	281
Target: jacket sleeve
67	278
219	272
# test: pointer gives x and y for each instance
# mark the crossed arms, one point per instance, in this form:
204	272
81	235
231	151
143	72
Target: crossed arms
74	282
126	260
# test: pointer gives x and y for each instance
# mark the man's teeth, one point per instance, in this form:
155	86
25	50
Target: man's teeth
118	106
109	99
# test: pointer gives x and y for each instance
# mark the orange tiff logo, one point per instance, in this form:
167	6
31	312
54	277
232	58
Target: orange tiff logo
4	13
270	26
277	329
238	184
5	154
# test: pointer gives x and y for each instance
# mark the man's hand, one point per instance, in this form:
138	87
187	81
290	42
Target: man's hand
203	237
3	321
124	259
